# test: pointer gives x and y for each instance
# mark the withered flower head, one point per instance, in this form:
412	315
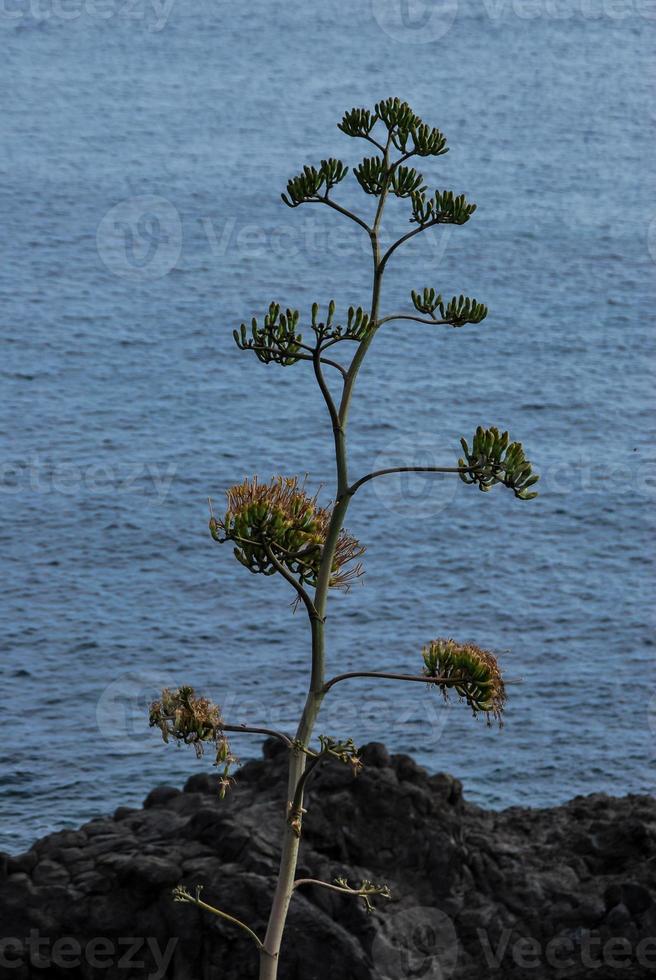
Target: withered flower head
191	720
278	522
471	672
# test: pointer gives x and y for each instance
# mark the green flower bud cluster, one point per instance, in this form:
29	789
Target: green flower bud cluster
442	209
373	176
402	124
461	309
291	534
406	181
494	460
358	122
427	141
426	302
307	185
458	311
472	673
277	340
396	115
277	525
357	326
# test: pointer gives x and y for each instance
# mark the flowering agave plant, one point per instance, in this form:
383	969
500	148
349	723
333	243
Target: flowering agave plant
278	528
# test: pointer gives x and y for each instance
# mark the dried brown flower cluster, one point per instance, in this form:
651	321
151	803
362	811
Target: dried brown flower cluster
277	524
191	720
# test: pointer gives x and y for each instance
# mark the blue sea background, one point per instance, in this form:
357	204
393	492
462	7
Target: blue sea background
142	154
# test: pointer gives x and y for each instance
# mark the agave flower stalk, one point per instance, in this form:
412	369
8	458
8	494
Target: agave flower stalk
279	528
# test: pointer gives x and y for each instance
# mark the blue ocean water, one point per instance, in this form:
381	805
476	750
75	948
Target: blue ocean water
143	149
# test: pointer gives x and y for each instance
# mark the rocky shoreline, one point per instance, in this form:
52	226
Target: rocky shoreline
567	892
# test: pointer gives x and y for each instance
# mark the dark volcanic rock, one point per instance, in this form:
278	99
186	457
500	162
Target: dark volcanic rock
566	893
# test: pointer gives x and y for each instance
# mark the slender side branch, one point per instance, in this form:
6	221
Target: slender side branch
342	210
324	884
327	884
338	340
411	234
345	752
366	891
335	364
375	142
384	676
381	675
325	391
180	894
302	357
302	594
408	469
296	810
407	316
256	730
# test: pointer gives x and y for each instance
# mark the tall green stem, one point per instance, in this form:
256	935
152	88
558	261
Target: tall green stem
269	956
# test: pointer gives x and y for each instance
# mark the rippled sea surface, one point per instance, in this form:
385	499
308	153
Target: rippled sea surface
142	154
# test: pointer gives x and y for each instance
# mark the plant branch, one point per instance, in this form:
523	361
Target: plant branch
324	884
325	391
182	895
334	888
409	316
382	675
415	231
342	210
296	807
301	357
409	469
366	891
338	340
256	730
345	752
385	187
364	345
374	141
303	595
335	364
